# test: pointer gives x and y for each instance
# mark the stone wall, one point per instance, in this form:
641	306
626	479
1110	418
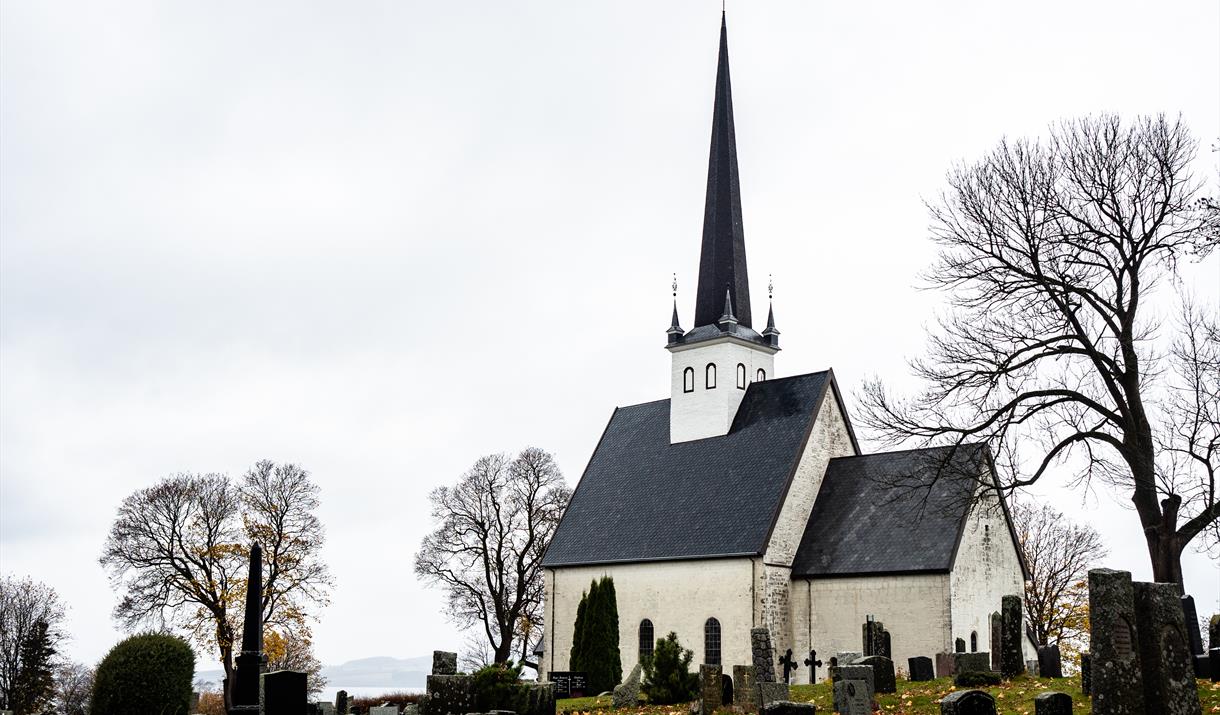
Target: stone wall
915	610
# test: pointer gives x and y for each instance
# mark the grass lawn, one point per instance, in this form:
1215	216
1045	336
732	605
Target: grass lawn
1015	697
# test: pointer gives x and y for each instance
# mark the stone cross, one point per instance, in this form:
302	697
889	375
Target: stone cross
813	664
789	664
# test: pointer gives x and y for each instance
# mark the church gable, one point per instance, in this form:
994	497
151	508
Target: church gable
642	498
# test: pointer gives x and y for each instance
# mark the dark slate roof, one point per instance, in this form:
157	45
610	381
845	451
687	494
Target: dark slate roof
722	260
711	332
863	524
644	499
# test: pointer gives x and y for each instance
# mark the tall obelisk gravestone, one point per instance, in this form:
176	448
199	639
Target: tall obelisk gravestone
250	661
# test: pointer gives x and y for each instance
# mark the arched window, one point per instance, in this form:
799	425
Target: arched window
711	642
688	380
709	379
741	376
974	641
646	639
762	375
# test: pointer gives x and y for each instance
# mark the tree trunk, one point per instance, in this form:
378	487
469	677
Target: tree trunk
1164	546
504	651
226	659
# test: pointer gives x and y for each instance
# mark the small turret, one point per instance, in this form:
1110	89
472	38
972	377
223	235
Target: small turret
771	334
728	320
675	329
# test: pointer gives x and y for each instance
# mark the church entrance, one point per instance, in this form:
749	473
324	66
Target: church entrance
726	689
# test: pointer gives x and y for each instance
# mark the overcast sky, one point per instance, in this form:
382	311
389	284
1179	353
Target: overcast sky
381	239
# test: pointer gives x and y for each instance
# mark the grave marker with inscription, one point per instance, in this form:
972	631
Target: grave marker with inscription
1117	685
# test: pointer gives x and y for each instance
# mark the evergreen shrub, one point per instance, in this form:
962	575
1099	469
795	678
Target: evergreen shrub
667	676
499	687
149	673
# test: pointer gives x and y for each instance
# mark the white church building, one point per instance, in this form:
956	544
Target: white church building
743	498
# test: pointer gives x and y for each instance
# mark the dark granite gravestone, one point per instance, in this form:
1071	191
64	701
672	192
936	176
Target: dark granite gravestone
813	663
711	691
744	690
851	697
447	694
996	622
1213	664
1086	674
883	673
863	674
771	693
1168	670
1012	663
787	707
341	705
886	645
968	702
1050	661
249	663
874	638
1192	625
541	700
959	646
1117	687
971	663
284	692
944	665
444	663
1053	704
920	668
762	654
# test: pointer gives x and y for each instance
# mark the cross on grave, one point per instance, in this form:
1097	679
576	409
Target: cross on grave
789	665
813	664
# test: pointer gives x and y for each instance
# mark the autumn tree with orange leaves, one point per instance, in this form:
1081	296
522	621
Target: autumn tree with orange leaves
177	554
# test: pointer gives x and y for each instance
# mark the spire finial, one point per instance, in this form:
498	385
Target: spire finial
770	286
675	285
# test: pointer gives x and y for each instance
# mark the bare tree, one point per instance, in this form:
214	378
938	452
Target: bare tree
486	552
178	552
294	651
1050	255
73	687
1058	554
24	605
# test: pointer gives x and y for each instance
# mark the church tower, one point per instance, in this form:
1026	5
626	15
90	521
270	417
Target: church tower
714	363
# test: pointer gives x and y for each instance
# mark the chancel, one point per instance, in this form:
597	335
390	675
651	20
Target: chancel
743	500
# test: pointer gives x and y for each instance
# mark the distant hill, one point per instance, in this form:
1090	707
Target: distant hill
376	672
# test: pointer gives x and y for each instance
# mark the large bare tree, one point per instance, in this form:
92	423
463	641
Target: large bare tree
1058	554
1050	255
178	553
25	604
493	528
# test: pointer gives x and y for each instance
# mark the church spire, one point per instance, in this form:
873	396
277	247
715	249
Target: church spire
723	257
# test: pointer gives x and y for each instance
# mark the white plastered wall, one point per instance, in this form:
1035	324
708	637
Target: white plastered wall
676	596
985	570
829	613
707	412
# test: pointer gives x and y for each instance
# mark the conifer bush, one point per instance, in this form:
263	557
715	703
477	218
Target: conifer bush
667	676
595	648
499	687
149	673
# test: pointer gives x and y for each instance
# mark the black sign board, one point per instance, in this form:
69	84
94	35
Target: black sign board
568	684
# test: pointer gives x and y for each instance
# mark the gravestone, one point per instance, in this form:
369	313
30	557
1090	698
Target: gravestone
444	663
383	710
852	697
813	663
1168	668
1086	674
1031	666
862	673
1213	664
627	693
341	704
568	684
284	692
968	702
883	673
744	690
787	707
885	645
945	665
920	668
1053	703
447	694
762	654
873	640
1213	632
541	700
847	657
410	709
771	693
1191	616
959	646
1050	661
1117	687
997	627
1012	663
788	664
326	708
710	690
971	663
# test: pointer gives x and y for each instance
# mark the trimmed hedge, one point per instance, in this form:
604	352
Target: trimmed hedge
149	673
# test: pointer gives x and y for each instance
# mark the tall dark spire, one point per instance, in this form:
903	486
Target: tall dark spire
252	630
723	257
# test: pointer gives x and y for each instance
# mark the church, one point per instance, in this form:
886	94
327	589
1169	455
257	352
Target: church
744	500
